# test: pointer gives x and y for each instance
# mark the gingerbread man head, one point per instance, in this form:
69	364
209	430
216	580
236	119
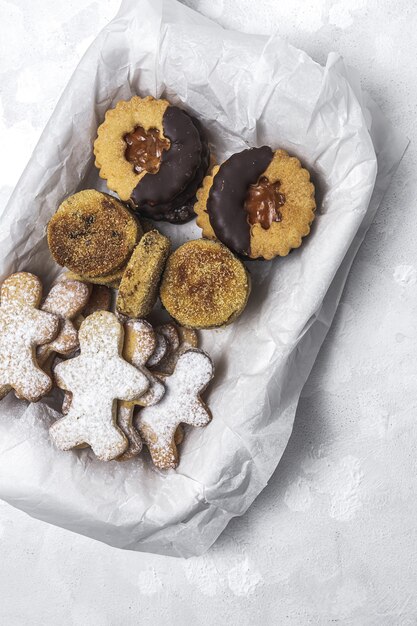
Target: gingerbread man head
22	328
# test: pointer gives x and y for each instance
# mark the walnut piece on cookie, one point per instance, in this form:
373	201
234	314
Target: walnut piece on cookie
181	403
97	379
92	234
259	203
23	327
138	289
204	285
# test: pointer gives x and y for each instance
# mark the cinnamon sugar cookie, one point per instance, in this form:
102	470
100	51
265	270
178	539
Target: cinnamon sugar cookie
259	203
204	285
153	155
138	289
22	328
92	234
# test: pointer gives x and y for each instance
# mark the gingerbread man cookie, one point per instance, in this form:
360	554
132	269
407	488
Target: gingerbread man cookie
96	379
66	299
139	345
22	328
181	404
161	348
170	333
178	340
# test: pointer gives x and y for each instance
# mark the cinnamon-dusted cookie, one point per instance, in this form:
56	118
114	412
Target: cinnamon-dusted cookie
138	289
181	404
66	299
92	234
108	280
204	285
22	328
259	203
153	155
97	379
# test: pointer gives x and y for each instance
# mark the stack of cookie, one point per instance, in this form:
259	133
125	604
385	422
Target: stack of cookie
154	156
125	382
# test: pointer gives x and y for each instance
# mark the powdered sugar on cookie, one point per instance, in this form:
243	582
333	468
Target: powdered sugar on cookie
96	379
66	299
22	328
181	404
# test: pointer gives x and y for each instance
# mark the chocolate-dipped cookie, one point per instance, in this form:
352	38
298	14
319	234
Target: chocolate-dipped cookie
259	203
154	156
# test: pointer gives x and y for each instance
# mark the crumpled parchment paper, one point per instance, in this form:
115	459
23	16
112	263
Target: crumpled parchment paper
248	91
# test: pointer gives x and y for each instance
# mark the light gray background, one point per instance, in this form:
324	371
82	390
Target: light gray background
333	537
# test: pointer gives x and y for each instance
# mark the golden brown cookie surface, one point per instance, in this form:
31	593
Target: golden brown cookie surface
92	234
139	285
259	203
204	285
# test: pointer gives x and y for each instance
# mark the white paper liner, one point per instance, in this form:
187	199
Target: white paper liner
248	91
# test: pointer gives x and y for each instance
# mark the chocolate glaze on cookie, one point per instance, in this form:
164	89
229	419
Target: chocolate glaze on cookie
225	205
178	166
181	208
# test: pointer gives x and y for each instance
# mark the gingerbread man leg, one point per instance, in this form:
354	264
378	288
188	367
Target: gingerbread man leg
67	432
124	421
34	387
164	455
70	432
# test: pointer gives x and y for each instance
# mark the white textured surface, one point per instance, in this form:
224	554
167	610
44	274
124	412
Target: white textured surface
333	536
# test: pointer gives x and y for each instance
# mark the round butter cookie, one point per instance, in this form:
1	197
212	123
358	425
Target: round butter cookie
259	203
92	234
154	156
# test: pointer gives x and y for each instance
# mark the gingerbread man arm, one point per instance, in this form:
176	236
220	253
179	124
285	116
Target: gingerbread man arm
197	414
47	327
64	374
131	382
